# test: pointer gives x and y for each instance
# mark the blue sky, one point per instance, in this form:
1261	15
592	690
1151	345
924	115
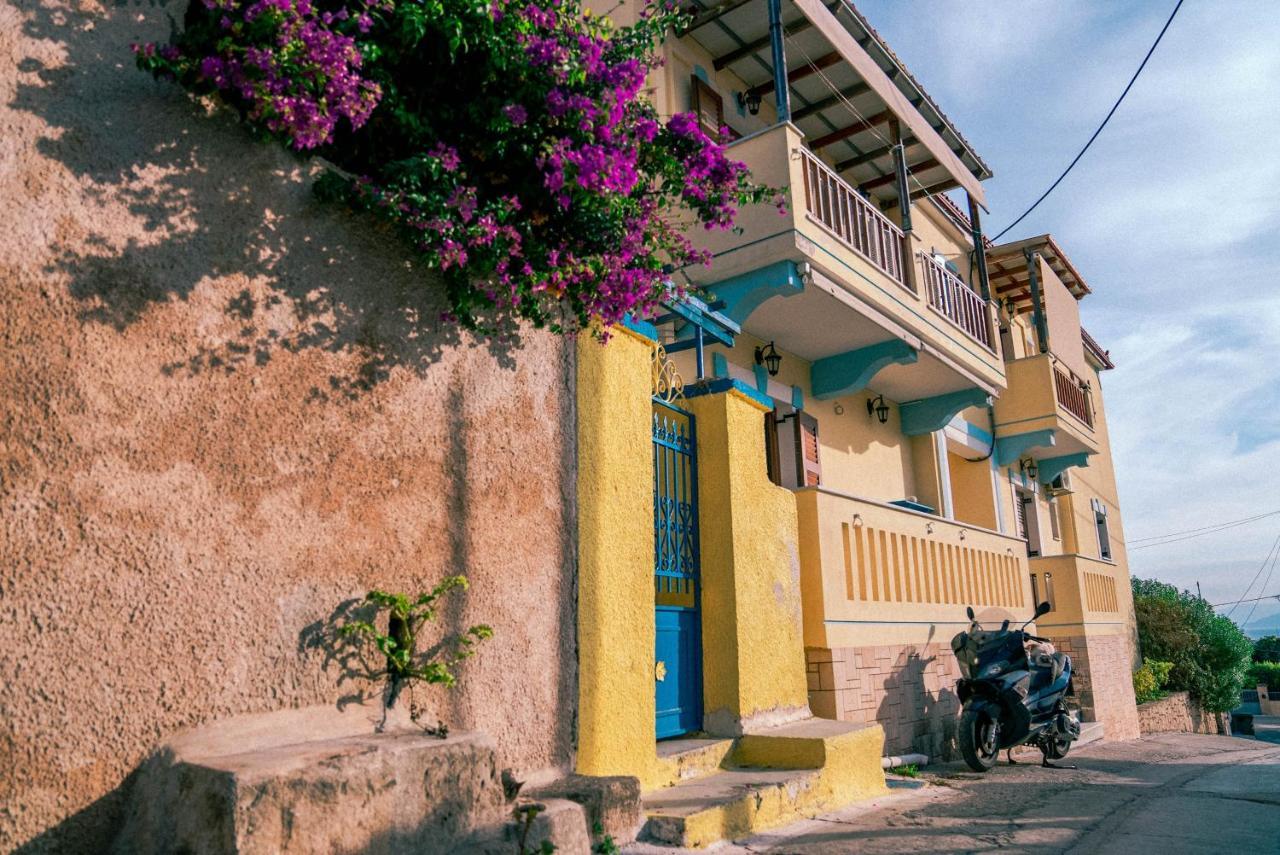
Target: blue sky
1173	218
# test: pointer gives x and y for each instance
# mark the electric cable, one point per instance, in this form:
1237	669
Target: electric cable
1270	553
1265	582
1193	536
1203	528
1111	113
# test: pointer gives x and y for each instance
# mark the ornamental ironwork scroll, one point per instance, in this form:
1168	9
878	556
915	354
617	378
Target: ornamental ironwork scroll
667	384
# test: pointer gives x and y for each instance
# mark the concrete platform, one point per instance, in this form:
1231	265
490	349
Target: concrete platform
765	779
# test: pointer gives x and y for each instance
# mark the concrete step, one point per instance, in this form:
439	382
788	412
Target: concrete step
1090	731
684	759
768	778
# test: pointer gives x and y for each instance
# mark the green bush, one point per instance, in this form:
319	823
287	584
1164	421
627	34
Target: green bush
1264	674
1149	680
1209	653
1267	649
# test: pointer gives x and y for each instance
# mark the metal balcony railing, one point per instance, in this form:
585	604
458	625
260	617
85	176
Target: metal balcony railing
832	202
956	301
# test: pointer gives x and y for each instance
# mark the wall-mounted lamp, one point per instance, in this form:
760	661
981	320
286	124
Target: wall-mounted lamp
857	520
1029	468
749	101
877	407
769	357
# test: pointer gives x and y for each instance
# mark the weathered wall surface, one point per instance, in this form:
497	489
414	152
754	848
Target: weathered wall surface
1178	713
226	411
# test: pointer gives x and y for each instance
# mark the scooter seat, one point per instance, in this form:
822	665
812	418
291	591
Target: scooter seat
1059	664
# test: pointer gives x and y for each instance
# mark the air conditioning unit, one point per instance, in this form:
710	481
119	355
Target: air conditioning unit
1060	485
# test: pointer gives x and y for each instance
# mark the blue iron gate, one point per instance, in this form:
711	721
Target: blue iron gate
678	659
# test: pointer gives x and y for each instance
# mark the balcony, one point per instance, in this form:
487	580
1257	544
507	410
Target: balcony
830	277
875	573
950	297
1047	403
1083	591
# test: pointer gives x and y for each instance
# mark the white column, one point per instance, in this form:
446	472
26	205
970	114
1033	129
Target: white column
944	474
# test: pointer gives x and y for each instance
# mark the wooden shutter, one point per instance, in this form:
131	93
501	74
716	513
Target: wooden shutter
1020	515
808	467
708	106
771	461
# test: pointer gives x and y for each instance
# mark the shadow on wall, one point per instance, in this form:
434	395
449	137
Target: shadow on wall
919	710
197	216
181	533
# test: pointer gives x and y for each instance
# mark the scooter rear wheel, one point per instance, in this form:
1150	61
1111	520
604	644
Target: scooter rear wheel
979	739
1055	749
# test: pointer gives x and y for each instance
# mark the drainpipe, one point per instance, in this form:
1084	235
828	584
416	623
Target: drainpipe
1037	305
781	97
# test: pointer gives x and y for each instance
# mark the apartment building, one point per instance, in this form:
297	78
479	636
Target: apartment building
857	426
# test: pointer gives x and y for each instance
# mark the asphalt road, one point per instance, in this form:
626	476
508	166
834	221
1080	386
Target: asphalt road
1166	794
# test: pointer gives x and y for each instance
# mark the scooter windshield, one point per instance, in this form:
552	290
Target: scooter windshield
980	650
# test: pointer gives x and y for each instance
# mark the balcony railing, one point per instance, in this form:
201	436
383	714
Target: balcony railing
831	201
956	301
1072	395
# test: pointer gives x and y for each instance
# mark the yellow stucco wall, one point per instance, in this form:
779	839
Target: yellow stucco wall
615	559
753	655
971	491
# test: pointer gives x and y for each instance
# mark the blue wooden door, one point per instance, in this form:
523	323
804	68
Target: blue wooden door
678	656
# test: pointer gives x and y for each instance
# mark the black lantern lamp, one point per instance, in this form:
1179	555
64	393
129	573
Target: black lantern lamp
877	406
750	101
769	357
1029	468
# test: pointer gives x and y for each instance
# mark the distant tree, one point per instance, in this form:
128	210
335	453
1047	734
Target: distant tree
1267	649
1210	654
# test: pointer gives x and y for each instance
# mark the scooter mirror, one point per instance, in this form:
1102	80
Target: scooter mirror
1043	609
969	611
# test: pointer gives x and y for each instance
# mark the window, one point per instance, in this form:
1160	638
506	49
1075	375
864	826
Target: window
1048	591
1053	519
708	106
1027	522
1104	535
791	448
1035	589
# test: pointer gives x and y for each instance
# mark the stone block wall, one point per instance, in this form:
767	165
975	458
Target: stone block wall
1102	676
1179	713
909	689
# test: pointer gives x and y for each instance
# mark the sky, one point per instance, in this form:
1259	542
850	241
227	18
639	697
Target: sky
1171	217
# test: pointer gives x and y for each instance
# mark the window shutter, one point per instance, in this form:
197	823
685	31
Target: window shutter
708	106
771	461
809	468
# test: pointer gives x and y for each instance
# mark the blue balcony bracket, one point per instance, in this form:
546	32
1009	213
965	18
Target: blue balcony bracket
719	365
1055	466
1010	448
850	372
797	397
931	414
762	378
739	296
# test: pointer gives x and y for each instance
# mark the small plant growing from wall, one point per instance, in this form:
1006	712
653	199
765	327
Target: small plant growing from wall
405	664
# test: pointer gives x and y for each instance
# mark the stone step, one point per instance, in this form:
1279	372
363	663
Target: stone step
684	759
768	779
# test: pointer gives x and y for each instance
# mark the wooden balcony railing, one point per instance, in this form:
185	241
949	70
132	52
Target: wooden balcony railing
1072	395
831	201
956	301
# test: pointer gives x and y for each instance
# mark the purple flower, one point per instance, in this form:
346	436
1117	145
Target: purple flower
516	114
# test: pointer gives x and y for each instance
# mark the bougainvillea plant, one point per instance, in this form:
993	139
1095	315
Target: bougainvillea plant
506	140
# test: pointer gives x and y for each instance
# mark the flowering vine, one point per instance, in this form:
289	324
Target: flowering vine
506	140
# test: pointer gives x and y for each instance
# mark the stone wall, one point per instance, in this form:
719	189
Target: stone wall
1178	713
1102	675
909	689
228	409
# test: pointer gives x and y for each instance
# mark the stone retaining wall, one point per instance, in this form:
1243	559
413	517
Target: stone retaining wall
1178	713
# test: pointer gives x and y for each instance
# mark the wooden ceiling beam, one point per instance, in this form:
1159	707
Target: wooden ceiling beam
846	94
851	130
798	74
885	180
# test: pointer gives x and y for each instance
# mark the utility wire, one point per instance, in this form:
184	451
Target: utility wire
1254	600
1265	582
1111	113
1191	536
1216	525
1265	561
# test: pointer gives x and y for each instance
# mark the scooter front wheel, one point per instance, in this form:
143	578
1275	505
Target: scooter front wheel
979	738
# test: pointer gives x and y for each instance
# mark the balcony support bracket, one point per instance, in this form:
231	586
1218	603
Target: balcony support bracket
1055	466
743	294
1010	448
850	372
932	414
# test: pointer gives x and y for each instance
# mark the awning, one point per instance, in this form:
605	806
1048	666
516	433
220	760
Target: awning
1007	270
845	87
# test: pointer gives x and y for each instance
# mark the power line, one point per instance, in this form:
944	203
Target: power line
1254	600
1265	582
1191	536
1111	113
1270	553
1204	528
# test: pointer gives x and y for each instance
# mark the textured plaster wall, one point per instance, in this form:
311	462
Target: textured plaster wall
226	410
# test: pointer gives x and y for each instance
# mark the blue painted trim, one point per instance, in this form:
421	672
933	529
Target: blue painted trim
719	365
762	378
974	432
1055	466
701	73
849	372
640	327
745	293
719	385
933	414
1010	448
691	313
797	397
914	506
